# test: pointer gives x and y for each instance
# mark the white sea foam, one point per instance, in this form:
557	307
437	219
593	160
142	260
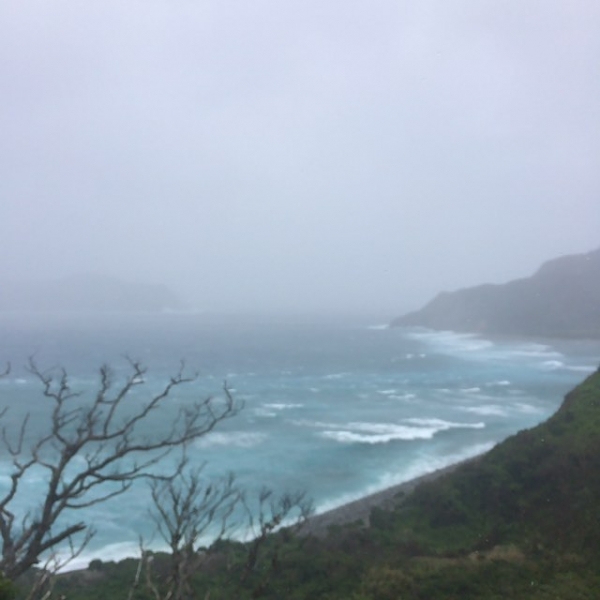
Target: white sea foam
552	365
336	375
451	341
478	348
243	439
381	433
398	433
526	408
430	463
442	424
416	468
582	368
110	552
489	410
282	405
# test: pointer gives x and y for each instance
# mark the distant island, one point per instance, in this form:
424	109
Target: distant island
562	299
86	293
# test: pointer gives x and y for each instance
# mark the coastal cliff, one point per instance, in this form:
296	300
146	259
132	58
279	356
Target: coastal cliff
561	299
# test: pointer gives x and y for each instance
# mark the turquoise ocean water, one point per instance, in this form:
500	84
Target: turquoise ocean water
339	408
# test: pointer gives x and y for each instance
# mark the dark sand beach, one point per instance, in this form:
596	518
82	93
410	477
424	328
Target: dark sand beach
360	510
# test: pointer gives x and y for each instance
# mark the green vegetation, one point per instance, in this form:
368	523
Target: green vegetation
521	522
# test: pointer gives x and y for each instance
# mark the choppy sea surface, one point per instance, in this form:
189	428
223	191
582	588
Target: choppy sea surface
339	408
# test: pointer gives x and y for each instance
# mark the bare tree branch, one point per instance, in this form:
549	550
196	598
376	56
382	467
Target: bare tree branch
106	435
188	508
185	508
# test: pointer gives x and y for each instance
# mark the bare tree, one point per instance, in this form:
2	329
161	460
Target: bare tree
106	435
187	511
188	508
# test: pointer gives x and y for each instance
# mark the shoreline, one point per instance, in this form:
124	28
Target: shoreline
360	509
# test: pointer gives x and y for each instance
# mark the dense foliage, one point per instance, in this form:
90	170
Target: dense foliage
520	522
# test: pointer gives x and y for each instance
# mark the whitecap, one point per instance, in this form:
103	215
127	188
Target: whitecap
552	365
381	433
582	368
526	408
488	410
441	424
416	468
335	375
406	433
234	438
452	341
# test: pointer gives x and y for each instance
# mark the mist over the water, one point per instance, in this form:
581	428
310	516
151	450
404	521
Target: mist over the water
336	408
299	156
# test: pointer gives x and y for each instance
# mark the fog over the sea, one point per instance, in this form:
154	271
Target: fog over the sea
281	156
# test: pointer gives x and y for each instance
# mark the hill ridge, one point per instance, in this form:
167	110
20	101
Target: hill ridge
561	299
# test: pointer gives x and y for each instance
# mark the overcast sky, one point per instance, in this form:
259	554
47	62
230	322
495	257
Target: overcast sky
298	155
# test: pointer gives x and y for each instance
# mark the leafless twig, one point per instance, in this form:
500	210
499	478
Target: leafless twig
112	452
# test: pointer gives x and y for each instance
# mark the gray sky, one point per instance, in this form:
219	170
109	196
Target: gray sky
286	155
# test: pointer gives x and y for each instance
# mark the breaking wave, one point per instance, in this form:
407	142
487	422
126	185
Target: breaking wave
382	433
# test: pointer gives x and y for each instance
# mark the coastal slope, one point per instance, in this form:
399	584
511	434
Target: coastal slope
520	521
561	299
